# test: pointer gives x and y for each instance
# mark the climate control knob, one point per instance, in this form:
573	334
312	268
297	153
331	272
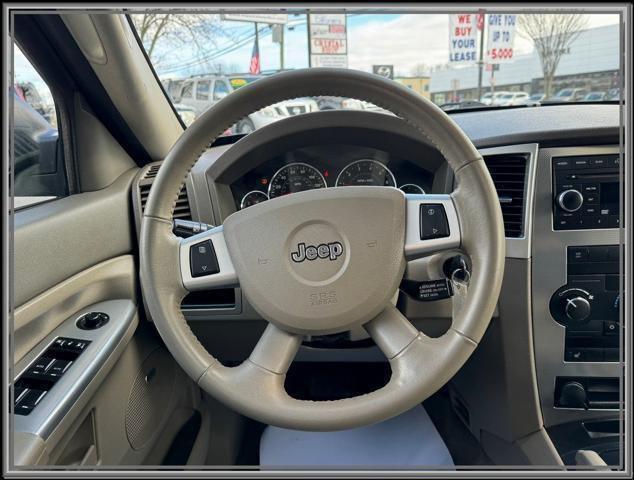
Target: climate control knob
571	306
570	200
577	309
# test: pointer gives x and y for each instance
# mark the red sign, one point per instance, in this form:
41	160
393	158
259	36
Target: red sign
480	21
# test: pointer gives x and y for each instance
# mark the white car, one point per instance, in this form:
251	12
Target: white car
493	98
201	92
513	98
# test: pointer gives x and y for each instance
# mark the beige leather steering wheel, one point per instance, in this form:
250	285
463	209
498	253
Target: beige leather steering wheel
346	280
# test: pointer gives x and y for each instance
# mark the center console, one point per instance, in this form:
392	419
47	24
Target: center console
576	284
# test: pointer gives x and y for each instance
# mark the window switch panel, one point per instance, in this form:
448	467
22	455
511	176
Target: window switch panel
44	372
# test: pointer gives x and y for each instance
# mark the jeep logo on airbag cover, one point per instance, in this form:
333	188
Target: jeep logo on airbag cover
330	251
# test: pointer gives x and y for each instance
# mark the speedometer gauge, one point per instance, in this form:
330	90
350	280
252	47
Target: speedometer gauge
295	177
366	172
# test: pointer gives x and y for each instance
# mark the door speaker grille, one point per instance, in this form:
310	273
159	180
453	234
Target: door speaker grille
150	398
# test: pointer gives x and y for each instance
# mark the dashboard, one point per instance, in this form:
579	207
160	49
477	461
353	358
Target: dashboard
550	164
327	167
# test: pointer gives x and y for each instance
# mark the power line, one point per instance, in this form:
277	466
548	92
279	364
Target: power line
263	32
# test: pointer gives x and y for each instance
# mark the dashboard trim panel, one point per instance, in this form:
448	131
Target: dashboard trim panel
548	275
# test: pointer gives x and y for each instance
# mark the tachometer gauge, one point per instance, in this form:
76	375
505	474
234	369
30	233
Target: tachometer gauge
252	198
412	188
295	177
366	172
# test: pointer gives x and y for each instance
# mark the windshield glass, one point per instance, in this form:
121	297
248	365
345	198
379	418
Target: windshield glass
455	60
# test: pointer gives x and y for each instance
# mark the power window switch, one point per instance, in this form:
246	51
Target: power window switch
29	401
59	367
43	363
18	393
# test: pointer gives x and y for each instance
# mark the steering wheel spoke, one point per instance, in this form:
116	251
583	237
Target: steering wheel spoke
205	262
276	349
391	331
432	225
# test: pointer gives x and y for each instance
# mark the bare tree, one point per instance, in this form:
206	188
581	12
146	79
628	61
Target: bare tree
552	35
173	31
420	70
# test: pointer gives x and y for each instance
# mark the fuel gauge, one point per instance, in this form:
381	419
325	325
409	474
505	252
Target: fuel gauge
252	198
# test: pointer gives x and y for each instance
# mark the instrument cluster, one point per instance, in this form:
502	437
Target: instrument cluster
327	167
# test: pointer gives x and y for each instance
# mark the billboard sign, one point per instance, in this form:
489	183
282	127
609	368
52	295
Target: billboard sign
463	36
501	34
270	18
386	71
328	39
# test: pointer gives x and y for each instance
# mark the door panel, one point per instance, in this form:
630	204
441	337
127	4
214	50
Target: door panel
56	240
72	256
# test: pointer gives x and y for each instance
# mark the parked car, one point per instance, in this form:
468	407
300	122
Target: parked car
493	98
570	95
460	105
187	113
203	91
28	92
595	97
513	98
613	94
534	99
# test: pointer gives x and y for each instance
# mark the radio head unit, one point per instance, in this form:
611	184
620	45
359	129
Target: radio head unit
586	192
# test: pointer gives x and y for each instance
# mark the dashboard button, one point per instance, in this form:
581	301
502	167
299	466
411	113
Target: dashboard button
578	254
584	355
589	188
561	162
591	199
610	328
598	162
598	254
580	163
614	221
433	222
591	211
566	222
202	259
614	162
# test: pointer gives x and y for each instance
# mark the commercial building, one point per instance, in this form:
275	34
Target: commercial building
418	84
591	62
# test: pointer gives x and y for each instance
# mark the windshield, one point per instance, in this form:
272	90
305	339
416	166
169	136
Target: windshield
459	60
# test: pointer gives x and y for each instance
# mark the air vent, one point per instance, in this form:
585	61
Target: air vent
509	176
181	210
152	171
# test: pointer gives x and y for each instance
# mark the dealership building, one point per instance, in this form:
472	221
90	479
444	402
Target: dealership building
591	62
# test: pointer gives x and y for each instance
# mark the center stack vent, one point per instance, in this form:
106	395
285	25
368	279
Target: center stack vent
508	172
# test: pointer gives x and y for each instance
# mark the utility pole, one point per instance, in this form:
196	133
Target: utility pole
257	38
308	35
481	59
282	47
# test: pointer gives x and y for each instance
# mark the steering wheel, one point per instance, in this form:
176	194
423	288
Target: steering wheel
311	263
